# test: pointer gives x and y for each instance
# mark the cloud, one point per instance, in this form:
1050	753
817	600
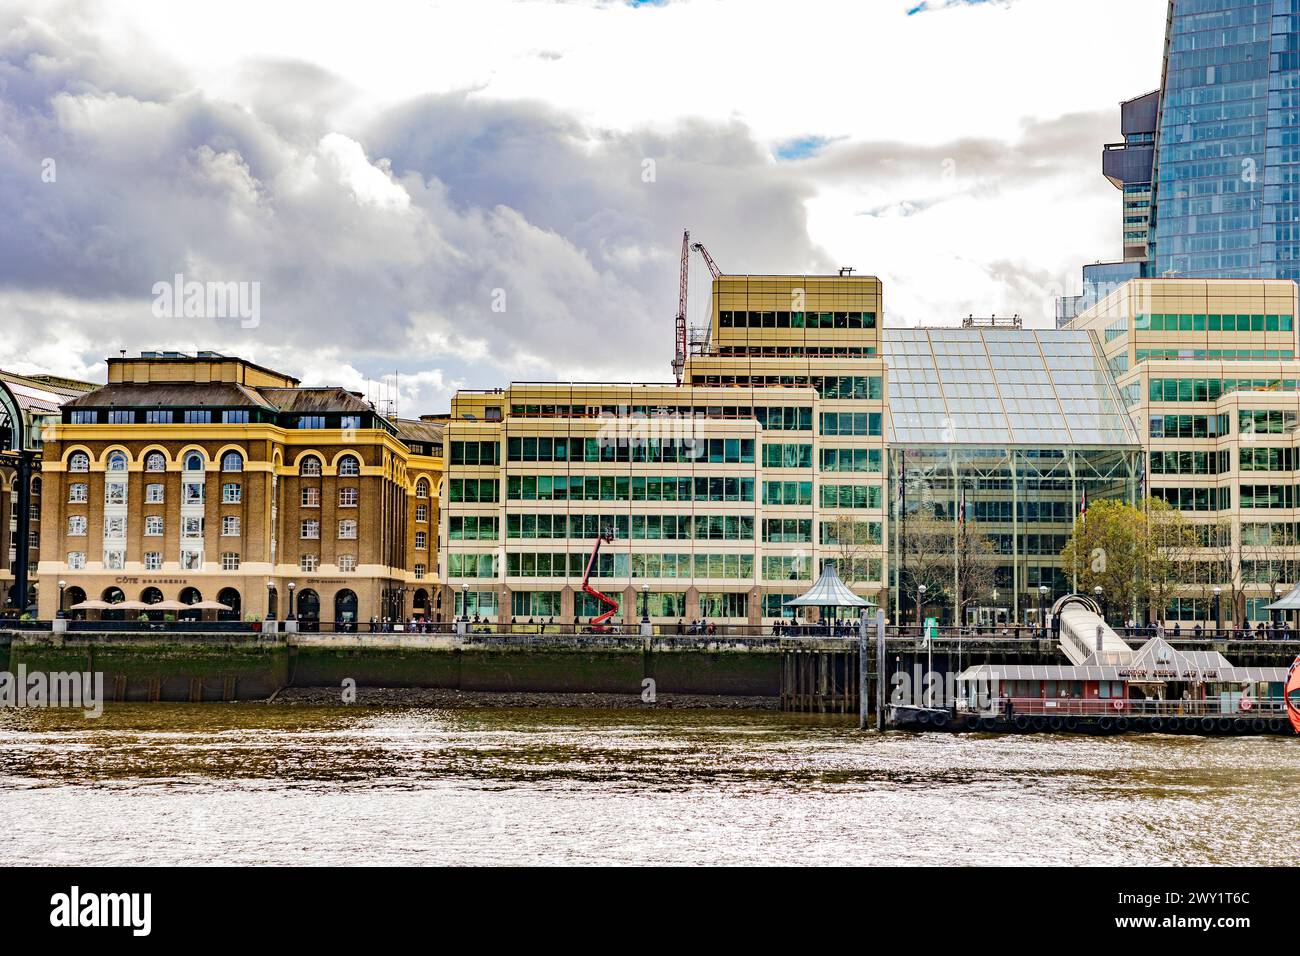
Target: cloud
449	237
930	6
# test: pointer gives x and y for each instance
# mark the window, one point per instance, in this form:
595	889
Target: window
348	497
422	513
191	560
229	560
194	462
78	493
117	461
114	526
232	461
153	560
349	467
311	421
192	527
121	417
159	416
79	462
422	488
310	497
235	417
77	560
347	562
310	466
115	493
310	529
77	525
153	494
83	418
193	493
155	461
153	525
349	422
231	493
114	559
196	416
348	529
419	571
308	562
421	541
230	526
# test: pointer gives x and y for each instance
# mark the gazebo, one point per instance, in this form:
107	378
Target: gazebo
1289	602
829	592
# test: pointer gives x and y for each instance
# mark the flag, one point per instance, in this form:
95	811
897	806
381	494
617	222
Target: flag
961	514
1083	506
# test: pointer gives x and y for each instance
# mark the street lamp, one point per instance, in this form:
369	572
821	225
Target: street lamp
645	604
62	587
1218	608
270	596
292	614
1096	592
464	602
920	603
1042	610
1272	615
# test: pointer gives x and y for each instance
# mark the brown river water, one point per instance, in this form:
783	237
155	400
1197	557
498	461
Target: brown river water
249	784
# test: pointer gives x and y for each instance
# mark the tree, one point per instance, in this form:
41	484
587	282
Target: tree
850	543
927	553
1135	554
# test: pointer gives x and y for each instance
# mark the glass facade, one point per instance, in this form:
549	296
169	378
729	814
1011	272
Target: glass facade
999	437
1227	180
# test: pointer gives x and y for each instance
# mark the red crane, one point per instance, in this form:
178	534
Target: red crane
598	622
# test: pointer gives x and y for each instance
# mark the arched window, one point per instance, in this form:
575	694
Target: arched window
310	466
117	461
349	467
194	461
232	461
422	488
155	461
230	597
79	462
151	596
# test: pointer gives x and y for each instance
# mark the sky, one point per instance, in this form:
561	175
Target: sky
465	194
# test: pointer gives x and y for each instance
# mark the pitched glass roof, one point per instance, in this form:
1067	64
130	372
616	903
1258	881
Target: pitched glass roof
1041	387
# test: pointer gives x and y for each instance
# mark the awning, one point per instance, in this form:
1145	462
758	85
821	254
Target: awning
829	591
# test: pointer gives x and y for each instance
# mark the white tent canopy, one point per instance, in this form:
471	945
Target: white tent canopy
829	591
1290	602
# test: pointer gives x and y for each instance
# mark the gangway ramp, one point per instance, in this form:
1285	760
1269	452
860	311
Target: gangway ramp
1079	637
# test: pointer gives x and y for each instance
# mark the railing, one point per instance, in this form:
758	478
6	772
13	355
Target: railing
1130	707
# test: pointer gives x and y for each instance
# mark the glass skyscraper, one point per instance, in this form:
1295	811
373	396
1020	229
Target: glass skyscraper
1227	177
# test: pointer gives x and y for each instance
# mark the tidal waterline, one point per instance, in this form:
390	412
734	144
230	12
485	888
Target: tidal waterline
249	784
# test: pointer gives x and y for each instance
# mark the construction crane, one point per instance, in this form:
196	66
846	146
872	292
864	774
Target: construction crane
679	354
598	622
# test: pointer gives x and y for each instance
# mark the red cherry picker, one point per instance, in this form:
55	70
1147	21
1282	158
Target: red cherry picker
598	623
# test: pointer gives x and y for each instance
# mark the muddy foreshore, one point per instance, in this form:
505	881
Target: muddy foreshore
468	700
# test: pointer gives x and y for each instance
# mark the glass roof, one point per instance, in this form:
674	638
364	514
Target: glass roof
1043	387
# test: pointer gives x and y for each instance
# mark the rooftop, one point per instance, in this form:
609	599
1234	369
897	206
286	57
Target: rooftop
984	386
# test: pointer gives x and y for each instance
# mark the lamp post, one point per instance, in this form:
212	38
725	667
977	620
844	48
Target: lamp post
995	609
920	602
1042	610
1096	592
62	587
292	614
270	596
645	604
464	602
1218	609
1272	615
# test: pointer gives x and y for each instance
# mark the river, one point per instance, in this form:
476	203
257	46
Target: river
249	784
